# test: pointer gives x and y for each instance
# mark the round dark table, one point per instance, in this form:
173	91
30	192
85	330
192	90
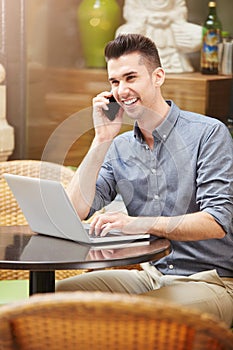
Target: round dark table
22	249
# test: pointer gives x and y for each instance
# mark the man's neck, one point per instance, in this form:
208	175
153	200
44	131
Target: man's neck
152	120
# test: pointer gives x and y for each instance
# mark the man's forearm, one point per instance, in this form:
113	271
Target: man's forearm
188	227
81	189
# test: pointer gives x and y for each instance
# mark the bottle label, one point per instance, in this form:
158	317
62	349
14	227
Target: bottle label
211	38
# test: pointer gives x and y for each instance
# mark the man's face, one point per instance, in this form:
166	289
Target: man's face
132	84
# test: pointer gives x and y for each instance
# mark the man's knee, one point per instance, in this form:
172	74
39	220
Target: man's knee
118	281
85	282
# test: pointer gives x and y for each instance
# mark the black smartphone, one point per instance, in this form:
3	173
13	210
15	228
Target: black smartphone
113	108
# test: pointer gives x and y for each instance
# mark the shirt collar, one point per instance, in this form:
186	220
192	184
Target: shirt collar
163	130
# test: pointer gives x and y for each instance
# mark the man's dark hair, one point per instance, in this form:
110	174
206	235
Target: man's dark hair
128	43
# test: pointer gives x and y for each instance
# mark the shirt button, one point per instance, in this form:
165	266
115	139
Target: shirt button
156	197
171	267
153	171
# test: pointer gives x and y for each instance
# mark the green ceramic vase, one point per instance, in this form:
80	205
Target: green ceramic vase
97	23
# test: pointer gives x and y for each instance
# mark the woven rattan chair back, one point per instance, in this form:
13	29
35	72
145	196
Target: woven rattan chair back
102	321
11	214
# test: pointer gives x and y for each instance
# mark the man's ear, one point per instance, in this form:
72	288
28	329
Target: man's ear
158	76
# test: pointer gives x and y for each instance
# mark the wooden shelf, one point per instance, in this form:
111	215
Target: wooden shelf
206	94
70	91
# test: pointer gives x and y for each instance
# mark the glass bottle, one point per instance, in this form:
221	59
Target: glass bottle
211	37
230	125
97	22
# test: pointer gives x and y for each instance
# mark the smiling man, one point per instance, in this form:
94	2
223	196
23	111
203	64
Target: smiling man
175	175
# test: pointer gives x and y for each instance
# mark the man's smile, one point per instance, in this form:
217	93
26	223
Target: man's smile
130	102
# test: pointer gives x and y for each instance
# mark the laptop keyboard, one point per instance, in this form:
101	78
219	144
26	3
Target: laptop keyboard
112	233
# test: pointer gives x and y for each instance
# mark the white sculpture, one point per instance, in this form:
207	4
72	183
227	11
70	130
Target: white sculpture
6	131
165	22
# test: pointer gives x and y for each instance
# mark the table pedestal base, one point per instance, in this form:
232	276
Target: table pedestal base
42	282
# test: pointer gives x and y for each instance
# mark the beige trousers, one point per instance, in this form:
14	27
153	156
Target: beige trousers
204	291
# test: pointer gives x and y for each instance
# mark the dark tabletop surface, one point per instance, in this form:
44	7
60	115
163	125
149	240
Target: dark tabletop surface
20	248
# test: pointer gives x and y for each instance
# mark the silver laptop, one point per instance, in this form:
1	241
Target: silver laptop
49	211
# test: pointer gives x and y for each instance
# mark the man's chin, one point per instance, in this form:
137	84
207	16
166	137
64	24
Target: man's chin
135	113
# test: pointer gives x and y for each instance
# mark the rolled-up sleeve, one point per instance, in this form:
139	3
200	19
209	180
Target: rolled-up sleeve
215	176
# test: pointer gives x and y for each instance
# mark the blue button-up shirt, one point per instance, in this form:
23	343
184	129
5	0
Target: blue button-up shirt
190	169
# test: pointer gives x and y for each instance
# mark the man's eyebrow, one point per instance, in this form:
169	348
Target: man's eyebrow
124	75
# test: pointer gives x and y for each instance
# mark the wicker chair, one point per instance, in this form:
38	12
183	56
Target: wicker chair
92	320
11	214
